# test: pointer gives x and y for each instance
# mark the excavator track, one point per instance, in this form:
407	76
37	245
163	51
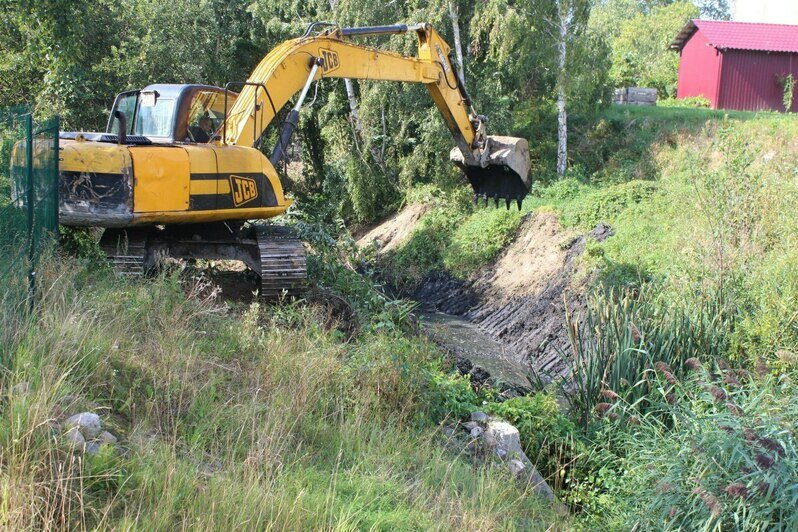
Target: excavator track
283	262
126	250
273	252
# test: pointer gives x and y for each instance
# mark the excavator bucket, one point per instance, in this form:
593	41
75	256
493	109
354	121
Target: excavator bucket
501	173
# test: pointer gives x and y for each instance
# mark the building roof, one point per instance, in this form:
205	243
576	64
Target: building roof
741	35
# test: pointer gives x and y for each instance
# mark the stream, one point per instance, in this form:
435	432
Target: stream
466	340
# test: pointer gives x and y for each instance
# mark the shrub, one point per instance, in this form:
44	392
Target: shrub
605	204
479	240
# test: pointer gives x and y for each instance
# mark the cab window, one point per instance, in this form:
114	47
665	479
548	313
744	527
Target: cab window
206	115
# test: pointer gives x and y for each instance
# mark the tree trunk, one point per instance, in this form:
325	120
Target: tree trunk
458	49
562	113
350	93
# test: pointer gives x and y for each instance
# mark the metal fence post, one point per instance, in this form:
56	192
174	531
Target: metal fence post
55	192
31	197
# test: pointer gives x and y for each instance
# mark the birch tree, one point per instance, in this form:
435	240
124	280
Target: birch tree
454	14
572	16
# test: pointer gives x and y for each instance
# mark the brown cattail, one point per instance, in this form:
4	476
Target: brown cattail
671	398
662	366
610	395
613	416
731	379
709	500
602	408
764	461
693	363
734	409
736	490
664	487
771	445
635	333
749	435
762	368
763	488
717	393
634	420
722	364
727	429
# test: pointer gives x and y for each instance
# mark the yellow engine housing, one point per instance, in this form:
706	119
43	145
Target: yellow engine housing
112	185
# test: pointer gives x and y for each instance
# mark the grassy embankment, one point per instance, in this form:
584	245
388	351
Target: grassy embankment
702	269
258	417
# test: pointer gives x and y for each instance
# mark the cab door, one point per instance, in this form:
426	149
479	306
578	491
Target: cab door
204	185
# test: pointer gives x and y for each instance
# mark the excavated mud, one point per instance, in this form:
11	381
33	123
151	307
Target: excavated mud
519	301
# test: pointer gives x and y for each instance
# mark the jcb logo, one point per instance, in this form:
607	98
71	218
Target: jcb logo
244	189
330	59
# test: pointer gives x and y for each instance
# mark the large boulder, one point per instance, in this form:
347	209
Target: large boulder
88	423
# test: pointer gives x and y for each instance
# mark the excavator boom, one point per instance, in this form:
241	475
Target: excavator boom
497	167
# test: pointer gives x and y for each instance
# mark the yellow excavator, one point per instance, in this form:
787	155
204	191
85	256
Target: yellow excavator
179	171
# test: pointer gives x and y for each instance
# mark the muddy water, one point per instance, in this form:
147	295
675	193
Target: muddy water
466	340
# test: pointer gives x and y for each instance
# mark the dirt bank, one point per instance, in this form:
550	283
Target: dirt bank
520	299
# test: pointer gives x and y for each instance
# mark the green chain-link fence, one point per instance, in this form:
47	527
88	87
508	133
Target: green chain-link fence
28	199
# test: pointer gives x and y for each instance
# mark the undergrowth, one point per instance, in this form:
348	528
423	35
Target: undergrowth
260	418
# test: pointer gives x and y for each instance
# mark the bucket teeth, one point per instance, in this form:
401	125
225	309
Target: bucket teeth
507	203
519	201
496	201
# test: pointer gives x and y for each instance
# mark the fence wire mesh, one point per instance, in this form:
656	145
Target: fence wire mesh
28	199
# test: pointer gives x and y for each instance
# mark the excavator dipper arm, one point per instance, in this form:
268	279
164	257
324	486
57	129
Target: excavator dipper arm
497	167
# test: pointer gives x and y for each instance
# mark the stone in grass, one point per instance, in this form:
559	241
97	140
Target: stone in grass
107	438
516	467
75	438
93	448
502	435
470	425
479	417
476	432
87	422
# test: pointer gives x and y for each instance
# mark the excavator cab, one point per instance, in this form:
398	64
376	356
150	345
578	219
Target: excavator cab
167	114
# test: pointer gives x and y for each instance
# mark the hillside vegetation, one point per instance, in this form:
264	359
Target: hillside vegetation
259	417
686	357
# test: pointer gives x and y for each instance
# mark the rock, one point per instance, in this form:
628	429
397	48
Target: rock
516	467
602	232
107	438
476	432
75	438
470	425
479	417
502	435
501	453
93	448
87	422
20	388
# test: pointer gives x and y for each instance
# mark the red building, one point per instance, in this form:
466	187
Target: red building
737	65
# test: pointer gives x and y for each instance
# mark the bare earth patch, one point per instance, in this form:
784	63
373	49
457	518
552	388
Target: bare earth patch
393	232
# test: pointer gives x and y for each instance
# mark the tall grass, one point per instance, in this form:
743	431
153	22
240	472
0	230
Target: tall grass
254	418
624	333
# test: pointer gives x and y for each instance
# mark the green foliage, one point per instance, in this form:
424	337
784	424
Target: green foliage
640	54
788	83
605	204
256	416
452	395
479	240
714	455
693	102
